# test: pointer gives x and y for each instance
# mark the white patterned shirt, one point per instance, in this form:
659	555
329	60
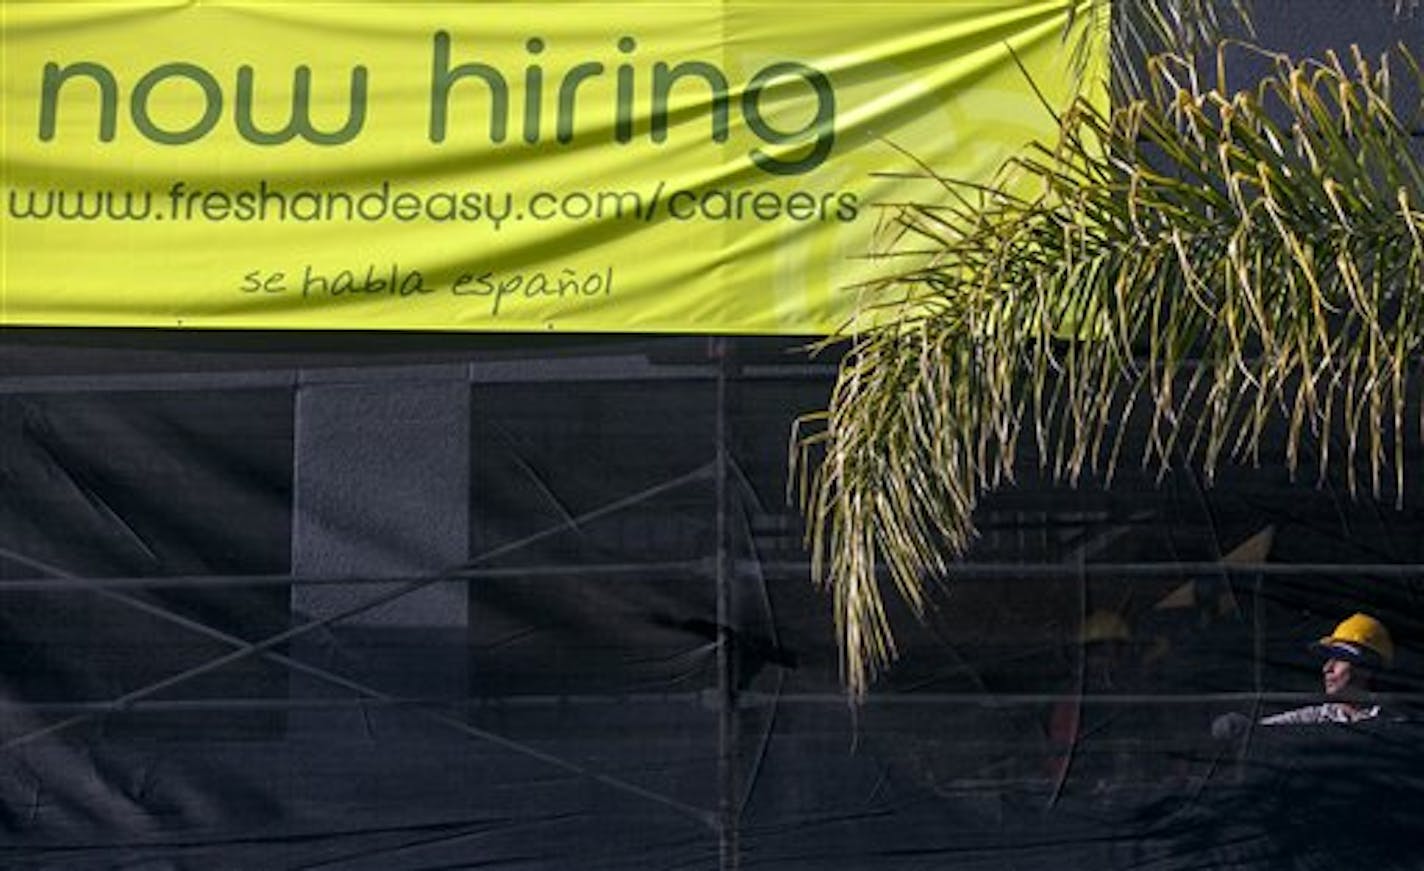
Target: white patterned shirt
1327	712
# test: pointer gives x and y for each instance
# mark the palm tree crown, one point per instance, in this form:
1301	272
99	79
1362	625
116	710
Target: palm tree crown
1213	259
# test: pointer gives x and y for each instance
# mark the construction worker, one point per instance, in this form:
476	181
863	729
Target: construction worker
1105	640
1354	653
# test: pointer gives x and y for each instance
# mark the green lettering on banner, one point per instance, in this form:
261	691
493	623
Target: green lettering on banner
369	165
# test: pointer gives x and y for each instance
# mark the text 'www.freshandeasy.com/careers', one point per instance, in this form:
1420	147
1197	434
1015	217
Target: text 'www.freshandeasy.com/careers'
386	202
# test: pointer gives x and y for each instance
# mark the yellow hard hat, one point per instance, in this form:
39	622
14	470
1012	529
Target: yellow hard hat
1359	638
1105	626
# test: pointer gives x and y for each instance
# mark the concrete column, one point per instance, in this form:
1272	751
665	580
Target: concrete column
381	483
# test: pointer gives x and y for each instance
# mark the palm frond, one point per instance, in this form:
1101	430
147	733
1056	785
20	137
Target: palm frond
1141	29
1215	261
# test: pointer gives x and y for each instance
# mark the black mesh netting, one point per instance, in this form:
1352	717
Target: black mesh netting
290	603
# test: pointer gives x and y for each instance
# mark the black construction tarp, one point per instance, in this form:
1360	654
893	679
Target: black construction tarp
436	602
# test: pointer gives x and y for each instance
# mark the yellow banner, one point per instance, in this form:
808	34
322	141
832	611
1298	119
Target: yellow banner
710	167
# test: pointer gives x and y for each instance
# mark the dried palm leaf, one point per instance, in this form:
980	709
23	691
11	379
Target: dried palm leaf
1216	261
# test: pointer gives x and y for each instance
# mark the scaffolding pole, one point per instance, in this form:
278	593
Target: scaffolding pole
728	806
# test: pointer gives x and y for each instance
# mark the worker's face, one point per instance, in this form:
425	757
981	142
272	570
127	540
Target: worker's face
1340	677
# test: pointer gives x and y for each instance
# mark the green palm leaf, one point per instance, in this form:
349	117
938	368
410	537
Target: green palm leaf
1215	261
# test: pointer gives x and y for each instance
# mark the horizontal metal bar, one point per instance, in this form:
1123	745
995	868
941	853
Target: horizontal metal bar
152	382
1008	571
528	371
702	568
705	699
1009	700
